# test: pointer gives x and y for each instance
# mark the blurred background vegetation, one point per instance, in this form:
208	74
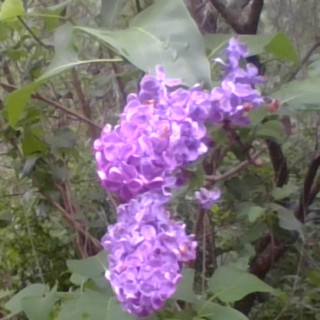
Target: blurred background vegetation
52	207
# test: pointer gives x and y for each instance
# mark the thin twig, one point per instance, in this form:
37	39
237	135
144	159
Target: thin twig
73	223
279	163
304	60
34	36
309	191
214	179
138	6
37	96
83	102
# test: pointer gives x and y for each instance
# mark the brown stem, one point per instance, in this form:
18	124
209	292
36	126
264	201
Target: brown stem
34	36
56	105
241	24
83	102
268	251
235	170
304	60
92	244
279	163
309	191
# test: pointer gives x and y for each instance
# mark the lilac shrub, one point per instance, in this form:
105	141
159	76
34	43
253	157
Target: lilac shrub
142	159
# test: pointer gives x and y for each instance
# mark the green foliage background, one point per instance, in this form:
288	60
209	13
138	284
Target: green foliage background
65	70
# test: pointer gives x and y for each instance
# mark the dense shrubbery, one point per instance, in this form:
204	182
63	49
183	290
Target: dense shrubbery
239	170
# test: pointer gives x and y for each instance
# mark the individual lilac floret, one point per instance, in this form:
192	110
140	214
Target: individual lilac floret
206	198
236	51
147	250
161	130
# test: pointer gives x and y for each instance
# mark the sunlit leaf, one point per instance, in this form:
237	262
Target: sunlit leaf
11	9
163	34
16	102
52	14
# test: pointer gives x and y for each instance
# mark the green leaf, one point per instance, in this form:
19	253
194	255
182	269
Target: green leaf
92	305
300	94
65	55
164	34
257	115
33	290
287	219
256	44
38	308
109	11
68	308
282	48
230	284
184	290
92	268
16	102
78	279
251	211
197	180
215	43
184	315
65	59
29	165
31	143
284	192
272	130
52	15
11	9
63	138
214	311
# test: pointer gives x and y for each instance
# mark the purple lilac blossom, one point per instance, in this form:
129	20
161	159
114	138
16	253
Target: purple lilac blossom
237	93
147	249
206	198
161	130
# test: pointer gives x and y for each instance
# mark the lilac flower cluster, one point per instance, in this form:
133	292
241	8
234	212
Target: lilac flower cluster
161	131
147	250
237	94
